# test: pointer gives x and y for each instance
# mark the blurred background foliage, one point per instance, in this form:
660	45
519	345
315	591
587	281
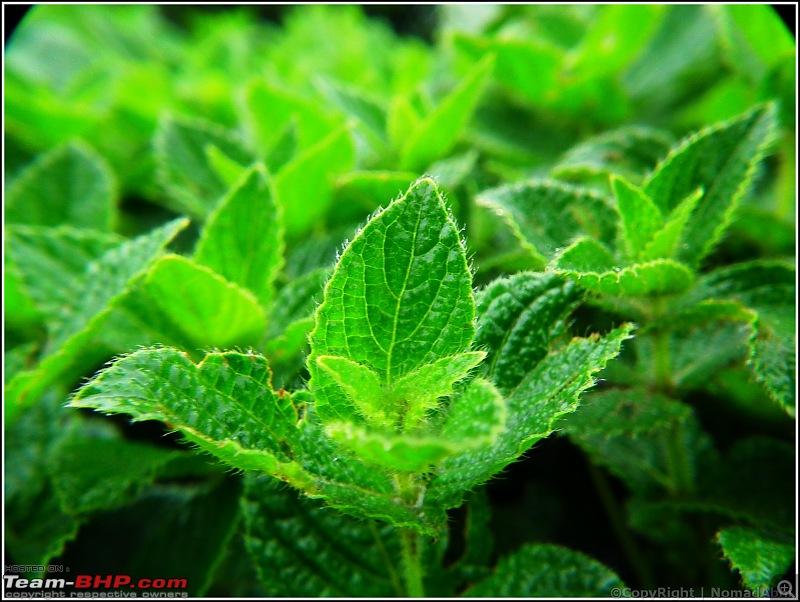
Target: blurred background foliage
346	106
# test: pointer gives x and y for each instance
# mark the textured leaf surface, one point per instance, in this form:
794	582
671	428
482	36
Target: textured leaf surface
400	297
548	391
438	131
640	218
106	282
667	241
721	160
549	571
593	266
546	215
631	152
302	549
208	309
243	239
518	318
49	261
70	185
758	557
187	174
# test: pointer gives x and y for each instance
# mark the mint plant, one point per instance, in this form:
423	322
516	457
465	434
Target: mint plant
343	312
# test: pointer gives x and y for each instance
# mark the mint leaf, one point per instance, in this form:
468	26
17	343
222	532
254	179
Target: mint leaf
640	218
547	571
593	266
550	389
722	161
546	216
630	151
758	557
304	185
185	170
242	239
667	241
400	297
206	307
436	133
301	548
104	285
70	185
518	318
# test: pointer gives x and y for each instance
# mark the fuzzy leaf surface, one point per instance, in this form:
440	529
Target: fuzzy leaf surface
758	557
400	297
640	217
549	571
721	160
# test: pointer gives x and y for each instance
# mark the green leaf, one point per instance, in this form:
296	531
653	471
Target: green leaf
357	104
636	434
93	474
592	266
758	557
548	571
210	310
242	239
361	385
547	216
105	284
224	405
630	151
189	177
226	168
367	189
549	390
302	549
400	297
49	261
667	241
304	185
436	134
518	318
722	161
71	185
640	218
474	420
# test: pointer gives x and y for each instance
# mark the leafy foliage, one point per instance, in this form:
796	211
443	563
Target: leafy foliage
348	286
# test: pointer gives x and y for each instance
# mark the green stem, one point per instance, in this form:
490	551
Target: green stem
662	363
618	523
677	461
412	566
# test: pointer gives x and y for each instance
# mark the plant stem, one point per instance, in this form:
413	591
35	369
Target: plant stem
412	566
662	364
634	555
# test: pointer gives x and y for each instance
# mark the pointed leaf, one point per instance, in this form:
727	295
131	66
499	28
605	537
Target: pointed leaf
666	243
549	390
722	161
242	239
547	216
548	571
226	168
71	185
185	171
302	549
640	218
210	310
106	283
421	390
362	386
592	266
518	318
400	297
758	557
436	134
304	185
